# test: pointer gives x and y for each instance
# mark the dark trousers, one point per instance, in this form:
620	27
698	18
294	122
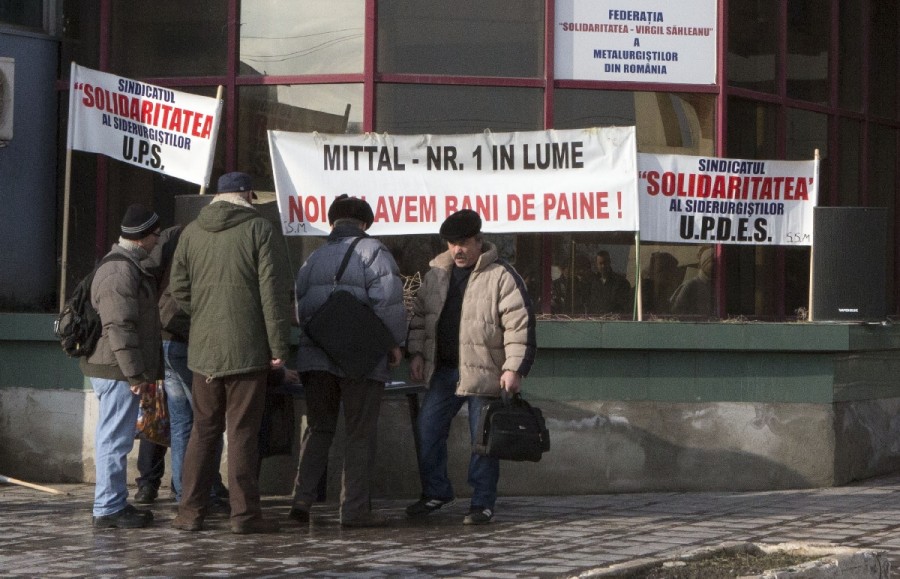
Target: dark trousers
361	400
236	403
151	464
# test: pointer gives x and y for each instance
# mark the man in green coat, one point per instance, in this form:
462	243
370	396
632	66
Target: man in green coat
230	274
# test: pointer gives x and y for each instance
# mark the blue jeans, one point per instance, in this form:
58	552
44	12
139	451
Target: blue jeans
113	440
439	406
181	413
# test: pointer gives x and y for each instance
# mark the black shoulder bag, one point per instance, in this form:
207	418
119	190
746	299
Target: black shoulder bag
348	330
511	429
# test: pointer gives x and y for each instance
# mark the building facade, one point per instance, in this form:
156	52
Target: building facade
791	78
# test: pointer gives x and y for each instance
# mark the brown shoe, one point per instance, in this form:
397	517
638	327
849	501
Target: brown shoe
369	519
184	524
255	526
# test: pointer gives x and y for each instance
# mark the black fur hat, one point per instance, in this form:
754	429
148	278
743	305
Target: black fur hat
463	224
346	207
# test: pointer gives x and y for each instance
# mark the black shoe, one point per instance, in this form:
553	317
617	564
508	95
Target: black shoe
426	506
220	492
366	520
299	514
145	495
128	518
479	516
218	506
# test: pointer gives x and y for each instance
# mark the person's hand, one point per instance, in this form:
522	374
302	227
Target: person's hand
291	376
395	356
139	389
276	363
510	381
417	368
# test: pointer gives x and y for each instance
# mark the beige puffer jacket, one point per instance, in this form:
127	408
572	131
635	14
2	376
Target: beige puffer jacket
497	328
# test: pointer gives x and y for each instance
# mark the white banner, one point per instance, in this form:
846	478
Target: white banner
688	199
156	128
655	41
572	180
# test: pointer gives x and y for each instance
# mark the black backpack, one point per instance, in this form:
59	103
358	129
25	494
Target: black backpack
78	325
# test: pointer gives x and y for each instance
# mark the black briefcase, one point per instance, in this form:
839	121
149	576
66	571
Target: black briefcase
512	429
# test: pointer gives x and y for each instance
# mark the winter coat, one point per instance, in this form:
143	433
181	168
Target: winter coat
124	294
176	324
497	325
371	276
230	275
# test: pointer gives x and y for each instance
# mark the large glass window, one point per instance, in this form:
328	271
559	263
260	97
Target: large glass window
664	122
808	36
24	14
849	155
463	37
752	130
752	40
883	193
80	35
850	60
168	38
408	109
333	108
291	38
883	58
807	132
667	123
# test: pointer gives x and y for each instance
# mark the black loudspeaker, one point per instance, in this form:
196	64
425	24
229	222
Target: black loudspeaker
849	264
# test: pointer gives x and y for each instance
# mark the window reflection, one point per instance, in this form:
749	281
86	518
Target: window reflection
291	38
302	108
168	38
463	37
752	39
665	123
850	63
808	36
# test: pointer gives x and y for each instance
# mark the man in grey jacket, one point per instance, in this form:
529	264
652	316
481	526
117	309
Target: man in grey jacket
471	335
125	361
372	276
230	275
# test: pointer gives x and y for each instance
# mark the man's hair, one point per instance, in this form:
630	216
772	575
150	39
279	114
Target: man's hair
604	253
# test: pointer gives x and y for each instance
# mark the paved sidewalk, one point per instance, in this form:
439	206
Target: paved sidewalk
44	535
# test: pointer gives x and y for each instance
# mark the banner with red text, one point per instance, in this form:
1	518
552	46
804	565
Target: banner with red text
156	128
688	199
567	180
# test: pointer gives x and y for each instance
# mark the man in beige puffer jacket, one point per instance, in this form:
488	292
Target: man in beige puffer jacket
472	335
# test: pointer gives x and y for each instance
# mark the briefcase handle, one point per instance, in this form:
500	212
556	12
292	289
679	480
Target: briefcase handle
513	399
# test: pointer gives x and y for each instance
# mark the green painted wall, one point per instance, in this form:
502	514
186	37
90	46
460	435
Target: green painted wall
630	361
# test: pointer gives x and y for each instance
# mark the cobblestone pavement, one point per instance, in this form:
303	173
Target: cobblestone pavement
45	535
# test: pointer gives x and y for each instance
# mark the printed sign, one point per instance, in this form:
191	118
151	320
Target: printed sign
651	41
686	199
572	180
155	128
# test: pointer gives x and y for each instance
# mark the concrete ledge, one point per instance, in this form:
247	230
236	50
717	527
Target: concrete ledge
833	561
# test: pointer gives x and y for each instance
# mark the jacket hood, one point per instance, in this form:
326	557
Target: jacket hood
222	215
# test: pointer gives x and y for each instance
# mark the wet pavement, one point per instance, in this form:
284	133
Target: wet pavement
45	535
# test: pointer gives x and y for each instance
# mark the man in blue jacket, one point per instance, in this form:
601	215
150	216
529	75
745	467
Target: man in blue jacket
371	275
